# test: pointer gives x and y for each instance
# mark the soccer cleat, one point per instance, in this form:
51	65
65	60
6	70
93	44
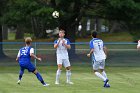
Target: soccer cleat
71	83
45	85
57	83
105	82
107	86
18	82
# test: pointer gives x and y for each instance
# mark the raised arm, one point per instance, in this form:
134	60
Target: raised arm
56	44
68	46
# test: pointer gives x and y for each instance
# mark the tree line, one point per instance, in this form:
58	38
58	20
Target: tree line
36	15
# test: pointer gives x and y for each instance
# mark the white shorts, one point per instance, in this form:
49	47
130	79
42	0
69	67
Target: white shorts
65	62
98	65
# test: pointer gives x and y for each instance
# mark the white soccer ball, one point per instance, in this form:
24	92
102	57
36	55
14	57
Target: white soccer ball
55	14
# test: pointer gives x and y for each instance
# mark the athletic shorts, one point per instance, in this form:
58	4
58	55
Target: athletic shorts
65	62
98	64
30	67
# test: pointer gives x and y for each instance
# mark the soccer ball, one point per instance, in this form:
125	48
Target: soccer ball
55	14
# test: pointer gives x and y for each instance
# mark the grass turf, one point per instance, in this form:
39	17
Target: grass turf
122	80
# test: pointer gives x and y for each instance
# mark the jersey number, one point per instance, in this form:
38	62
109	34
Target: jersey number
99	46
24	52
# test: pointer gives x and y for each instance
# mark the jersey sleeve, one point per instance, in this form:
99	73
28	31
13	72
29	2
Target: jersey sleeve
91	45
68	42
55	42
18	55
31	50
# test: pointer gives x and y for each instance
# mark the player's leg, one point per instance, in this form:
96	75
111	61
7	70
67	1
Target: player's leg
102	65
95	69
21	72
39	77
31	68
68	71
58	72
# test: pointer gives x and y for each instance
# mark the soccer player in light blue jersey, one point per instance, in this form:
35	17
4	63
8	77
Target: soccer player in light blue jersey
62	45
98	53
23	58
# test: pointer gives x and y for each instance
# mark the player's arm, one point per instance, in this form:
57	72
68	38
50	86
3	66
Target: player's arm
91	48
67	45
56	44
33	55
105	50
91	51
17	59
18	55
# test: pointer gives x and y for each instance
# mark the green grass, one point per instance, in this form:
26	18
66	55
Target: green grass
122	80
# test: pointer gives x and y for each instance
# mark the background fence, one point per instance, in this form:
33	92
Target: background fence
119	54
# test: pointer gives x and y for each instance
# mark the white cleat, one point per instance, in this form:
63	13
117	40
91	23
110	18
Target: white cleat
18	82
45	85
57	83
71	83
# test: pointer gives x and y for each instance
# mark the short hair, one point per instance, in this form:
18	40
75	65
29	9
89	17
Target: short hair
28	40
94	34
61	30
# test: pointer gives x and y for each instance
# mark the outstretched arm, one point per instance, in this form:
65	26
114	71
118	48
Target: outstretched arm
34	56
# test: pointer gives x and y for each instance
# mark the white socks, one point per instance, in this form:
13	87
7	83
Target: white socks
104	74
100	76
68	75
58	73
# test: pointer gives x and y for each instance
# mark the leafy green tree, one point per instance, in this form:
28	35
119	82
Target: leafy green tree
32	14
2	10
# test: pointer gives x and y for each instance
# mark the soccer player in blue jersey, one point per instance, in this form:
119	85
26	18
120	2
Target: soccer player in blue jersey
62	45
98	53
23	58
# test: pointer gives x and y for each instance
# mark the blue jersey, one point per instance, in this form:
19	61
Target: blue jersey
24	55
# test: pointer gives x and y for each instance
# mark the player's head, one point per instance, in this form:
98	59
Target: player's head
28	40
61	33
94	34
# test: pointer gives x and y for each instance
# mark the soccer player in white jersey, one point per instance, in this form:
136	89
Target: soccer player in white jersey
98	53
62	45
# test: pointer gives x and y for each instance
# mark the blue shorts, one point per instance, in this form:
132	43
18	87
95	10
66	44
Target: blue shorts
30	67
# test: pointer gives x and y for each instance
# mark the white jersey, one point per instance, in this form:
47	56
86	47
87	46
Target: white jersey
61	51
98	53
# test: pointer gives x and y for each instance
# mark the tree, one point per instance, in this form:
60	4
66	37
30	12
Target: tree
2	10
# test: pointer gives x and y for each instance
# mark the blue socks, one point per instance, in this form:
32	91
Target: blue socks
39	77
21	74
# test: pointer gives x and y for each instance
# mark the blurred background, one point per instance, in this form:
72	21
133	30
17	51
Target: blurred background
116	21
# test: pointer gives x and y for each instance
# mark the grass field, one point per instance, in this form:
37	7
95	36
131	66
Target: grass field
122	80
